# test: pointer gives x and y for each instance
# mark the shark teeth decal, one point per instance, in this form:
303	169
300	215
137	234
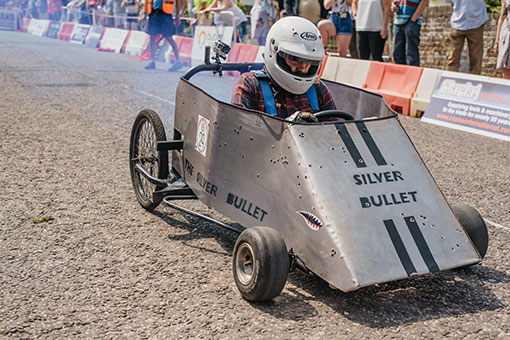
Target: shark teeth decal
311	220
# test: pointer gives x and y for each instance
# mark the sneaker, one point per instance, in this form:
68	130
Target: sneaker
151	66
176	66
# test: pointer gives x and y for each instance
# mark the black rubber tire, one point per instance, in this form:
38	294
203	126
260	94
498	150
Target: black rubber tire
323	115
474	225
269	263
147	119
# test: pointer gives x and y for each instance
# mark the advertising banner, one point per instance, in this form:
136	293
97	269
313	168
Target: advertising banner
207	36
471	103
9	20
53	29
38	27
79	33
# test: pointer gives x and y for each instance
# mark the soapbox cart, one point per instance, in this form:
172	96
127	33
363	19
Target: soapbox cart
349	200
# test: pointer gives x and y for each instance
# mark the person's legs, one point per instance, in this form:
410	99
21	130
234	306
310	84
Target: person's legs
172	43
399	44
152	49
353	47
343	44
412	32
327	28
475	47
344	32
363	46
376	45
457	43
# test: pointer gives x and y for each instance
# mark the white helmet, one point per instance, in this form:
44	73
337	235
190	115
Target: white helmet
298	39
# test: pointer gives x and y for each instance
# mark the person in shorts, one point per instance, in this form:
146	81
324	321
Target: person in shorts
341	24
160	21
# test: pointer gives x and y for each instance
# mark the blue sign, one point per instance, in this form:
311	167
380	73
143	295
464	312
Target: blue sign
9	20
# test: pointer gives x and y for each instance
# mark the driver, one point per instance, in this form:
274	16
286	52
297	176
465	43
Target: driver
289	82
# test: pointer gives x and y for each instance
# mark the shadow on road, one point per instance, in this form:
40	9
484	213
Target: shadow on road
433	296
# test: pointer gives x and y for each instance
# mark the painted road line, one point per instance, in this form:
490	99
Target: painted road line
497	225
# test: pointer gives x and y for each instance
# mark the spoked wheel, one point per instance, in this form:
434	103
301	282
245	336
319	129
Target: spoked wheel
260	264
474	225
147	131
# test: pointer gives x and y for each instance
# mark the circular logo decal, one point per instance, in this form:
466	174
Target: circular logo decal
308	36
201	38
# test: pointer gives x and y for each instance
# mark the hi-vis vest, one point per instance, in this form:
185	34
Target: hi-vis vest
167	7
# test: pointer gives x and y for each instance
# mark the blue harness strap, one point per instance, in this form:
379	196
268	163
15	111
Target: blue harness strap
312	98
267	94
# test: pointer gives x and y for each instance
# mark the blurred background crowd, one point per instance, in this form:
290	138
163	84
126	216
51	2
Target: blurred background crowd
383	30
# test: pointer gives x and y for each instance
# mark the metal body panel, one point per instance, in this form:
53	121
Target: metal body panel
326	188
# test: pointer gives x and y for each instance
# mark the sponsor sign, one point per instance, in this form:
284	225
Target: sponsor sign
38	27
113	39
79	33
9	20
53	29
137	43
471	103
207	36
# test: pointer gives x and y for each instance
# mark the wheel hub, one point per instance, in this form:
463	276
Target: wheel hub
245	264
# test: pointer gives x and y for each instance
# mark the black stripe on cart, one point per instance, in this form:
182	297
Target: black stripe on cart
402	253
421	243
349	144
369	141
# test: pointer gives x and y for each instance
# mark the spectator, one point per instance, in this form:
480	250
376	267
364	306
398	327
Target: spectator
220	19
83	14
406	30
200	6
467	21
312	10
32	9
502	43
161	22
118	14
339	24
371	27
54	9
353	47
263	15
42	7
131	7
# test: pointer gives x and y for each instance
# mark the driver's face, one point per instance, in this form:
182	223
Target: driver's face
296	66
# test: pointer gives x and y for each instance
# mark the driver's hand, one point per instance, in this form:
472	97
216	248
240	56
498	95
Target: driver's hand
299	116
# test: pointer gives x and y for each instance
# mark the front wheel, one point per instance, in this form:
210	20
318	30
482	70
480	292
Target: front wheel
474	225
147	131
260	264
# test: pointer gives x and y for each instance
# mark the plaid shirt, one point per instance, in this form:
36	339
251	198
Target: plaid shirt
248	94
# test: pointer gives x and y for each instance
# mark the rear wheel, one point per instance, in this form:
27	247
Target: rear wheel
147	131
260	264
474	225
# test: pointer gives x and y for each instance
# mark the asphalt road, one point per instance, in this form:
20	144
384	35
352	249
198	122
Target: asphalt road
103	267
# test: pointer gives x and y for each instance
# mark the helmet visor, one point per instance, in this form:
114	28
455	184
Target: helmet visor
311	66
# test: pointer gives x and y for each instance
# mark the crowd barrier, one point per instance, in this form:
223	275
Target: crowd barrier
406	89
